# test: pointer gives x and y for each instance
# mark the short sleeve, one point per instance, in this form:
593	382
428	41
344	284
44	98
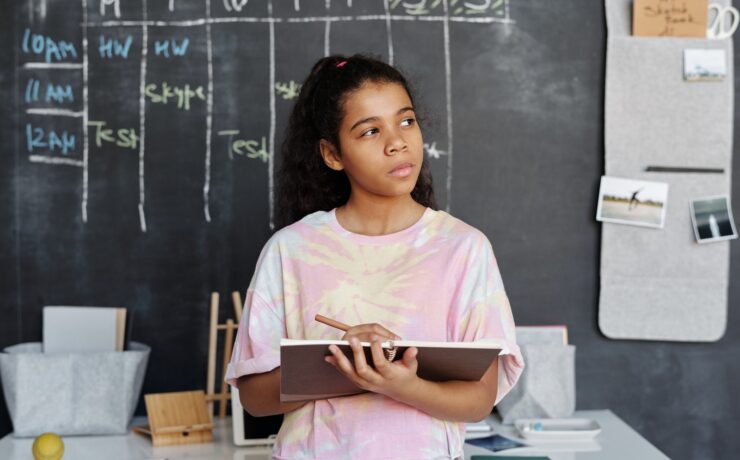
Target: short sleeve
257	344
262	325
481	311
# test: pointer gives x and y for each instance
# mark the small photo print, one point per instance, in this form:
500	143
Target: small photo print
632	202
712	219
704	65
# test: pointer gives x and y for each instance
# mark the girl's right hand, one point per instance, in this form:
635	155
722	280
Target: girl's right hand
369	332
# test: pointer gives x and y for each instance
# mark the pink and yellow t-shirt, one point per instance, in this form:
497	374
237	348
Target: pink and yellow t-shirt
437	280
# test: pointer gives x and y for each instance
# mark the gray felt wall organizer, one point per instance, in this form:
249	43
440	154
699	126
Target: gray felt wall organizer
659	284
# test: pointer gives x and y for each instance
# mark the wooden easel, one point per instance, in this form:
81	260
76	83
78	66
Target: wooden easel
177	418
224	395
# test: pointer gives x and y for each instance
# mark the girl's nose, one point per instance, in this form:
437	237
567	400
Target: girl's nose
396	144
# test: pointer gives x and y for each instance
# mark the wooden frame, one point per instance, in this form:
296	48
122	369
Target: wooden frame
223	397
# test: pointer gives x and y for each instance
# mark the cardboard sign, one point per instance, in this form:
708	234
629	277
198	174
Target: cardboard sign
670	18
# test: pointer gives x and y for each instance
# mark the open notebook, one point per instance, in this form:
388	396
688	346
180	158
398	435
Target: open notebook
304	375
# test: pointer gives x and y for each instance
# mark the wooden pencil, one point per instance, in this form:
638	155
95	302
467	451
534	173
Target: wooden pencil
331	322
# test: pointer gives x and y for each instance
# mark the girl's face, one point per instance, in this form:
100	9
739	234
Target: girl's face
380	140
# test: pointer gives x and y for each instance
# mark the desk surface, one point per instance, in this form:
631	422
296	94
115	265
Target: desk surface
616	441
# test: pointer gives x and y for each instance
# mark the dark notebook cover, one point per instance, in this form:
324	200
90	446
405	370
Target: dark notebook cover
304	375
494	443
506	457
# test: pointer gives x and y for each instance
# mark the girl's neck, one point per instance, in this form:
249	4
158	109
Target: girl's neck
379	217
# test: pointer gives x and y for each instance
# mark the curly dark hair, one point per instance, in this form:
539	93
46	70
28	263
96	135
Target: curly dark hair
305	183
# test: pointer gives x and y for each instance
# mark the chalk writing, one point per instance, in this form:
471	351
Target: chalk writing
288	90
234	5
39	138
416	8
52	93
163	47
433	151
110	47
52	50
116	7
105	39
243	147
32	90
166	93
457	7
478	7
123	137
297	4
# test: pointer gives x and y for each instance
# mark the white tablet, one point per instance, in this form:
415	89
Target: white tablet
252	431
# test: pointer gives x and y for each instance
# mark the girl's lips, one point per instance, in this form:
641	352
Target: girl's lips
403	170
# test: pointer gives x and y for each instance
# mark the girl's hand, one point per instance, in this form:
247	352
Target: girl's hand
365	332
392	379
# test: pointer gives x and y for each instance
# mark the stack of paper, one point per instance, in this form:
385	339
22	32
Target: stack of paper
83	329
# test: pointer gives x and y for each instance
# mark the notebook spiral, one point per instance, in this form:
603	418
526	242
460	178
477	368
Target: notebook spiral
390	353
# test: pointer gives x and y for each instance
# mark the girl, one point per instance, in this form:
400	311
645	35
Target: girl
364	244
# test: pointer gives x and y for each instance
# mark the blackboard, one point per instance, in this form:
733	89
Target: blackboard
513	92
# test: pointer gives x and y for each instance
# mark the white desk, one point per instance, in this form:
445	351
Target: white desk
616	441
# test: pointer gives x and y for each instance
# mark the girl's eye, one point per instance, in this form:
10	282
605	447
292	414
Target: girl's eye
409	121
369	131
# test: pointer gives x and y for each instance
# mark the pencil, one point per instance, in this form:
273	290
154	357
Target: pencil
331	322
390	353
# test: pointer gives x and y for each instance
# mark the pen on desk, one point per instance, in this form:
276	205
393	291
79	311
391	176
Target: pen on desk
678	169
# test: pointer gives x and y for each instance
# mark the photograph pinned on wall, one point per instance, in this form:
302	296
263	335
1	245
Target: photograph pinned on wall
704	65
632	202
712	219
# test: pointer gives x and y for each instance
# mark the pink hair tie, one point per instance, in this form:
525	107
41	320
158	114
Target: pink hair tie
341	64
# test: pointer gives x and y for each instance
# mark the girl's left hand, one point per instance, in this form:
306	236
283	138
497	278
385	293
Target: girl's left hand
388	378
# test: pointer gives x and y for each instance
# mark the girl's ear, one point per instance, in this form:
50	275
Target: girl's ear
330	155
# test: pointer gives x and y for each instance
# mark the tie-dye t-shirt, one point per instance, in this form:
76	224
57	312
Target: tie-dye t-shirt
436	280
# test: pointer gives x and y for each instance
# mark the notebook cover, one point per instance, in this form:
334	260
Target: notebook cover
304	375
506	457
